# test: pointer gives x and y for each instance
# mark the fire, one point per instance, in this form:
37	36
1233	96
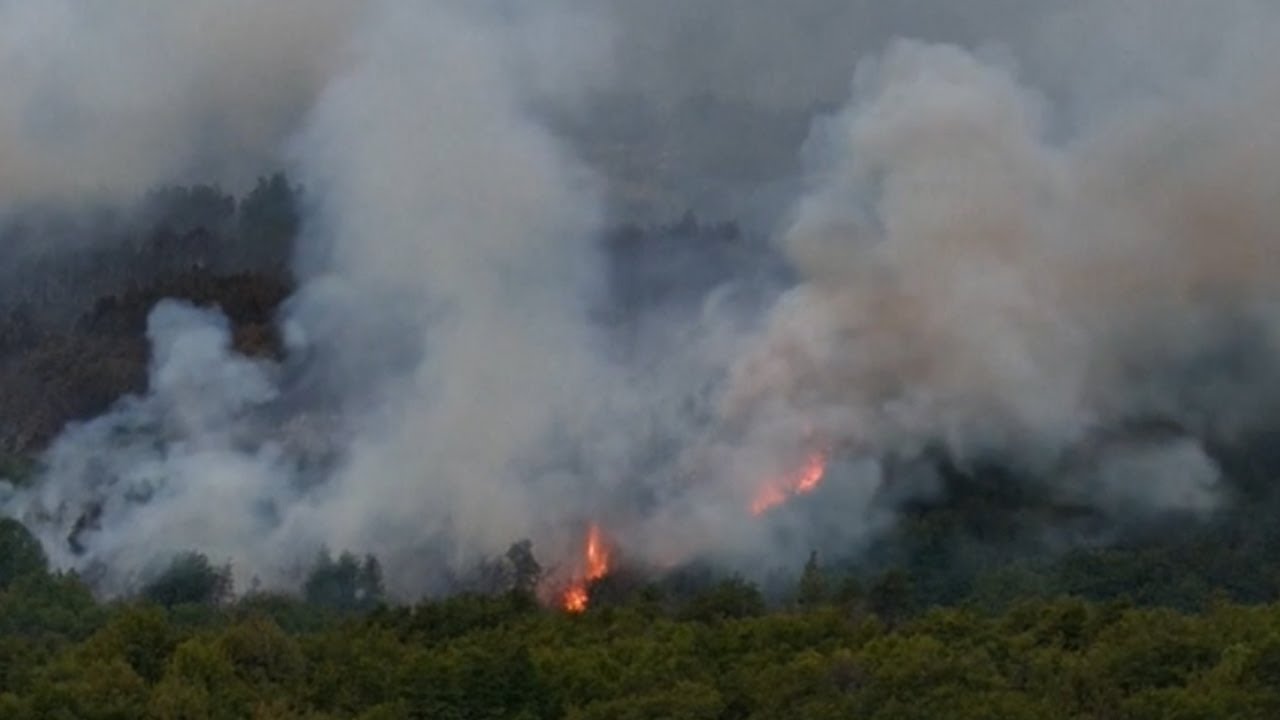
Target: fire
595	566
802	480
575	598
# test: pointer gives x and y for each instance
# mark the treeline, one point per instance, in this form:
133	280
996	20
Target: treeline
76	288
1181	620
682	646
59	262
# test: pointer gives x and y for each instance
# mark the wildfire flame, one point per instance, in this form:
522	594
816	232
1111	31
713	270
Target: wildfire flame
595	566
802	480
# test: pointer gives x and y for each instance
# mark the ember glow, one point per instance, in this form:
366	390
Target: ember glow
804	479
595	566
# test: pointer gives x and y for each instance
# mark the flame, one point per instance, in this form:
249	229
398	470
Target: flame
804	479
595	566
575	598
768	497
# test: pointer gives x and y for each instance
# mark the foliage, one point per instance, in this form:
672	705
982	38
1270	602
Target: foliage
20	552
812	589
190	579
959	613
720	657
346	584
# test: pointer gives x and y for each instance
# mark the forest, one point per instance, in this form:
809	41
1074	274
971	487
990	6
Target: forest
831	648
970	606
616	360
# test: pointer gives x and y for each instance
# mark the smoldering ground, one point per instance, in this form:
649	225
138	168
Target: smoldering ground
994	250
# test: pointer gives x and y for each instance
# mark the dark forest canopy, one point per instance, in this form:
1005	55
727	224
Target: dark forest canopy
829	650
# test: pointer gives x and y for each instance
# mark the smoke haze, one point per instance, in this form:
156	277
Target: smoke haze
1012	230
103	103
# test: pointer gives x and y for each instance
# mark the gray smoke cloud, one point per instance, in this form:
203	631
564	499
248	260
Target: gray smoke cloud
179	468
102	103
970	283
438	190
441	206
1001	248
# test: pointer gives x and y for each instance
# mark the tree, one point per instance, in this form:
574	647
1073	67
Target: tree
270	209
269	220
181	210
264	657
890	597
526	573
199	681
138	634
190	579
488	682
732	598
812	590
345	584
49	606
20	552
94	690
850	594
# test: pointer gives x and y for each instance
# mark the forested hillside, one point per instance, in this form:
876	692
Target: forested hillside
835	650
73	320
974	604
615	360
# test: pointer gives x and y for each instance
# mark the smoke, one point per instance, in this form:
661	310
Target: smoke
1001	249
970	284
447	274
179	468
438	191
102	103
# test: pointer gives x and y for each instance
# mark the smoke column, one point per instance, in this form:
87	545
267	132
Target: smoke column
440	205
442	198
970	284
999	249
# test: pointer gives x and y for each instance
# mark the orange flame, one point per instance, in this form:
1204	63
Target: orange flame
596	566
804	479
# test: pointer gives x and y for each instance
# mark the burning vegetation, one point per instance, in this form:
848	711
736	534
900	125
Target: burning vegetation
448	339
594	565
801	481
991	316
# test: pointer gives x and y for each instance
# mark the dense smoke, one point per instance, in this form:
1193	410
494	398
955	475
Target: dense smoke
969	284
180	468
440	206
441	197
102	103
984	269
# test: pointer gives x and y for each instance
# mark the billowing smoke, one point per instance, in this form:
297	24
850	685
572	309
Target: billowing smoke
441	206
441	196
179	468
982	270
970	285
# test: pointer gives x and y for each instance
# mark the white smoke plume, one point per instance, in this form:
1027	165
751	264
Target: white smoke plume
969	283
178	468
448	269
439	191
982	266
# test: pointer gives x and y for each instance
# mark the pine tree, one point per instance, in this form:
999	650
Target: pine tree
812	590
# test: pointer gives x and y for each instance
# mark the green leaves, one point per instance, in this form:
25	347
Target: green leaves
20	552
720	655
347	584
190	579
